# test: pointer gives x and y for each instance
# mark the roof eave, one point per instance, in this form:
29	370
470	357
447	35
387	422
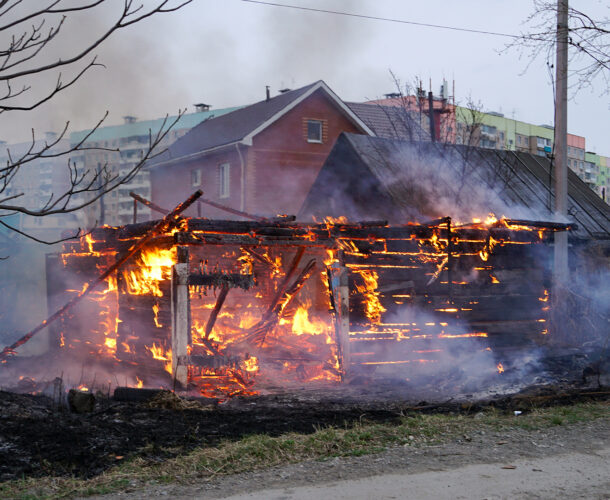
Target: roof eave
198	154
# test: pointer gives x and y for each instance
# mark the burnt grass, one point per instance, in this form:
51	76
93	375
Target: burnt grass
39	439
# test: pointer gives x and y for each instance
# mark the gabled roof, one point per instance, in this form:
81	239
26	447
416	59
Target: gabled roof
391	122
371	177
240	126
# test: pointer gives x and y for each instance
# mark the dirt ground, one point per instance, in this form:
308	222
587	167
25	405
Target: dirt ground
39	439
564	461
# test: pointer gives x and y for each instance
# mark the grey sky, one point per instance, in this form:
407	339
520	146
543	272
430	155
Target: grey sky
224	52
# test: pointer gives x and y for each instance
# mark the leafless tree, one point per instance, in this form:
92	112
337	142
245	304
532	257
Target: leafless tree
469	120
405	116
29	33
589	41
408	120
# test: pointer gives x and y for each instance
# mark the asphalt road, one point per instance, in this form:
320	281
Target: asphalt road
571	475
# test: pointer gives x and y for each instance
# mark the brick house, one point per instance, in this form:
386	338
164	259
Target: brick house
261	158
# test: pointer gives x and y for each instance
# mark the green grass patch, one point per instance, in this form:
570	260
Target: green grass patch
262	451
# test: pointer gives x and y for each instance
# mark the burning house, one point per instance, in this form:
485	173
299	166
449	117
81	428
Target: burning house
423	292
220	307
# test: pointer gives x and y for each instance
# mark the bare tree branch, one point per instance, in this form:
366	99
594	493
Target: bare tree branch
74	236
30	33
589	41
94	183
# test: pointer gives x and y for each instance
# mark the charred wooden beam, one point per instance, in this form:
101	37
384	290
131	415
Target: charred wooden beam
213	361
284	284
554	226
149	204
247	240
232	210
222	280
438	222
261	258
214	314
272	316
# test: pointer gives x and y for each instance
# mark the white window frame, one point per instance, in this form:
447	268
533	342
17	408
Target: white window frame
224	180
196	177
321	125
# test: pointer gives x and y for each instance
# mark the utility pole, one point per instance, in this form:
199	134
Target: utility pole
561	139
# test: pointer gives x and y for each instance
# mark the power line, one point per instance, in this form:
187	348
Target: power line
387	19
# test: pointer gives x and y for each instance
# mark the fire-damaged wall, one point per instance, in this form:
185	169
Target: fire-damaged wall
229	307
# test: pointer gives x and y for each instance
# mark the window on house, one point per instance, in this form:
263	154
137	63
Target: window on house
224	180
314	131
196	177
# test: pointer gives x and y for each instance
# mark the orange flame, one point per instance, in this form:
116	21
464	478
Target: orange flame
155	266
374	309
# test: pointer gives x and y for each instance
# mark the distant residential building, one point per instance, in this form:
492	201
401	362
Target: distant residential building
131	139
492	130
591	171
37	183
604	177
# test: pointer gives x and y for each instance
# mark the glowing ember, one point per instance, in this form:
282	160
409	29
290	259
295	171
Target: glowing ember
251	364
500	368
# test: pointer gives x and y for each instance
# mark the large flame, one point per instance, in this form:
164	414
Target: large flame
373	309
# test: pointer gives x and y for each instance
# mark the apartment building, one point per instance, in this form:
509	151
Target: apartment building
604	177
120	148
36	183
492	130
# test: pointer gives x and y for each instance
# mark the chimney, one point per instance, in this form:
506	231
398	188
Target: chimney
268	92
201	107
129	119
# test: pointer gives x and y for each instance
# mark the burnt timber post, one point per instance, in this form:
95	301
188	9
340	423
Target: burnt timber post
339	289
181	324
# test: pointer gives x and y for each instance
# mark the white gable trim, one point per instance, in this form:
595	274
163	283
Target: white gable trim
247	140
192	156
